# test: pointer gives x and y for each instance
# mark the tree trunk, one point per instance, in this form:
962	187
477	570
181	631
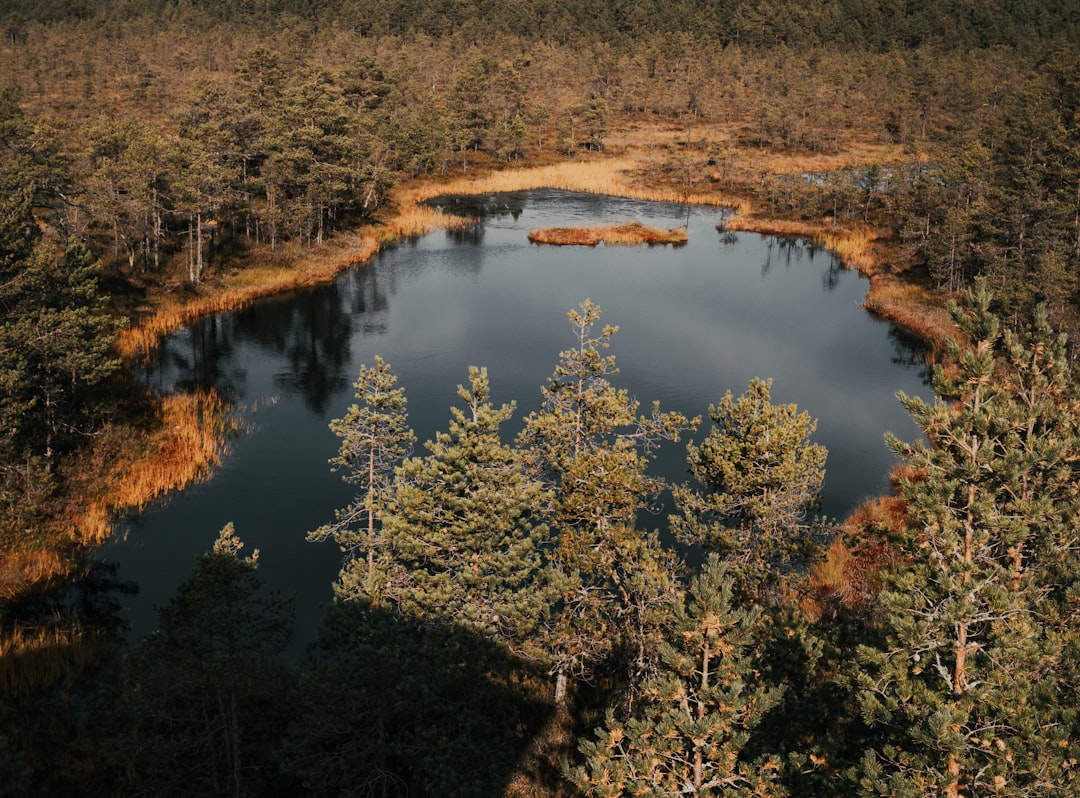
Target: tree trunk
560	690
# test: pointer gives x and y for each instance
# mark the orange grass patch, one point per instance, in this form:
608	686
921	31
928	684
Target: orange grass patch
186	446
33	658
628	234
24	567
911	306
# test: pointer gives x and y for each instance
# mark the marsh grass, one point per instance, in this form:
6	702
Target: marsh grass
628	234
913	307
130	472
610	177
30	565
33	658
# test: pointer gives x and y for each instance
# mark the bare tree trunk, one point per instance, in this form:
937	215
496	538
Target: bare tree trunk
560	690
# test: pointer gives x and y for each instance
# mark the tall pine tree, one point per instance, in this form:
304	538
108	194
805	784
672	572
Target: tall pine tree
697	713
971	687
593	448
375	438
759	476
463	535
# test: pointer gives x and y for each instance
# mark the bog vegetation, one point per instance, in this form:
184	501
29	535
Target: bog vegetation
503	625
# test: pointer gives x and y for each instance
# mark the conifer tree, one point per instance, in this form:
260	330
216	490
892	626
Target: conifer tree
462	532
697	713
594	450
971	688
375	437
55	338
760	475
205	697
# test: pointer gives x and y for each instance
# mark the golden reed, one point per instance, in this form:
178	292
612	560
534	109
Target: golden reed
186	445
628	234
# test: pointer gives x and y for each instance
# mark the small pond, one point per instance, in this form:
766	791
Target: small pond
695	321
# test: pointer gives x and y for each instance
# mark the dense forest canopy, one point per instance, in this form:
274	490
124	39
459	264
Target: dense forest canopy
875	25
503	626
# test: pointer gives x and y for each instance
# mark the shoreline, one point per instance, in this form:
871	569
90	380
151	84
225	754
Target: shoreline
128	470
862	249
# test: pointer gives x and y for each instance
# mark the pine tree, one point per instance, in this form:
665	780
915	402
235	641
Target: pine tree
55	338
375	438
462	532
594	449
205	697
970	688
760	475
697	714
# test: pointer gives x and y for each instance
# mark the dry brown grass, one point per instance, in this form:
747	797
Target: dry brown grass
419	220
29	566
609	177
628	234
34	658
911	306
129	475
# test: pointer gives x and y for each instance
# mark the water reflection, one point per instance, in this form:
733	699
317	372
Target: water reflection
694	322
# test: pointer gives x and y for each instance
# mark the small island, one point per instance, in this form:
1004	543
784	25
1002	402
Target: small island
629	233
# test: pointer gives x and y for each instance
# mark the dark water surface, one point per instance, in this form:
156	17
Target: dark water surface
695	322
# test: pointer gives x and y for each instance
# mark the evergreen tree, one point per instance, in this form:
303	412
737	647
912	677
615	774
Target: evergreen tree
462	532
594	449
970	686
206	701
698	714
375	437
54	340
760	475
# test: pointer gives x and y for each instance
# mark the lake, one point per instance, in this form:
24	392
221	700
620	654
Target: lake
695	322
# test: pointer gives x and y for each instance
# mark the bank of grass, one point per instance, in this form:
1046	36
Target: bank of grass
270	272
131	471
608	176
36	657
627	234
869	251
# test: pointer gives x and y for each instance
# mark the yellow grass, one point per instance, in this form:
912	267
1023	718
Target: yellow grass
419	220
23	567
911	306
628	234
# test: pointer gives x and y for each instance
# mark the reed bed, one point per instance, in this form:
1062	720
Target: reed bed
189	442
608	177
37	657
912	307
419	220
22	567
628	234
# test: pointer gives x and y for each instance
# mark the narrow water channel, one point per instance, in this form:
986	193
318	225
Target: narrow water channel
695	321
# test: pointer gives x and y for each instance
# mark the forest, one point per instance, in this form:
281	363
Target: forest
503	623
